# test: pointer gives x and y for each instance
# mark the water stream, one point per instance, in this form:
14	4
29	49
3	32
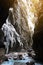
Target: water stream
25	59
11	62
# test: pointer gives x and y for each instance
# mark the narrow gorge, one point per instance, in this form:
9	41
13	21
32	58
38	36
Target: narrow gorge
21	28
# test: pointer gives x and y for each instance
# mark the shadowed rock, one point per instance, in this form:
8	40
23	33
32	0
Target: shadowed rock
4	9
38	45
1	39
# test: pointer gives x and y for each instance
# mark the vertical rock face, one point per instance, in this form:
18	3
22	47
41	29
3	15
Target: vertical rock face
25	18
39	26
38	35
25	15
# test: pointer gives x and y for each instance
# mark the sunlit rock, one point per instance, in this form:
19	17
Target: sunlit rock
25	18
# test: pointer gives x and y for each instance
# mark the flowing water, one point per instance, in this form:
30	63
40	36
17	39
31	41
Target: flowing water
11	61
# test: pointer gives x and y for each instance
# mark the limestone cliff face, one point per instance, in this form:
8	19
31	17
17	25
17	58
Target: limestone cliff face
36	7
39	26
28	15
25	17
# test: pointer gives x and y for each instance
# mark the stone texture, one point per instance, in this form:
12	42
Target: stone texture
24	20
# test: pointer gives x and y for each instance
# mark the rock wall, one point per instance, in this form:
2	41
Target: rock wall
25	18
21	16
26	14
22	25
39	26
38	35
